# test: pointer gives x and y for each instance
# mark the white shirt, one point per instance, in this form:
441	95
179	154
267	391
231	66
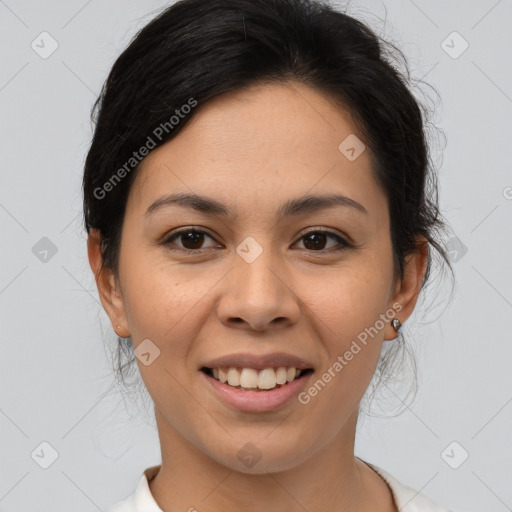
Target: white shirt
406	498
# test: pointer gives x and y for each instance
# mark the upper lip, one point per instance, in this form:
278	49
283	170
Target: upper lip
258	362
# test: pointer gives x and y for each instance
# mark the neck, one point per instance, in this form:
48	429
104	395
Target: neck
332	479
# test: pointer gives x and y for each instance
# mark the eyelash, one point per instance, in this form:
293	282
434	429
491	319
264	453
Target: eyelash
168	241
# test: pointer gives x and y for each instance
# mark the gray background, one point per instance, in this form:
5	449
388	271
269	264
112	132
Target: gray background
54	368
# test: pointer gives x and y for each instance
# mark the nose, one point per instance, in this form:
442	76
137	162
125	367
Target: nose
258	296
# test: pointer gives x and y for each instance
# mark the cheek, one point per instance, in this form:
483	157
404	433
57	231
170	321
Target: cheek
353	344
158	295
348	312
349	300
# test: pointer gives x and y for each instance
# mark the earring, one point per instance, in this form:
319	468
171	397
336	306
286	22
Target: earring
396	324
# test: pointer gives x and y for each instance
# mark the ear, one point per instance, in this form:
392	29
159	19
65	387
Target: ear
109	291
407	289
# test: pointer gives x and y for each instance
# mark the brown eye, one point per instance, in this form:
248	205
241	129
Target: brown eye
191	239
317	240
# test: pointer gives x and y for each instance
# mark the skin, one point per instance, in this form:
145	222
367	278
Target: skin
253	150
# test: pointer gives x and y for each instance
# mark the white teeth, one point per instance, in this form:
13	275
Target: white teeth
250	378
233	377
267	379
281	375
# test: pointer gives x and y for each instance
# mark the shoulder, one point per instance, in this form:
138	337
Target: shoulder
141	499
408	499
120	506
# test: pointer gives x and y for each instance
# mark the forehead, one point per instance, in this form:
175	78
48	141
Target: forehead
265	141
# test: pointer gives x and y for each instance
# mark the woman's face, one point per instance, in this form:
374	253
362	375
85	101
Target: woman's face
255	274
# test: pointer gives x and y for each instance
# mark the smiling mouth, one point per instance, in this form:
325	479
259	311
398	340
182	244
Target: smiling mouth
250	379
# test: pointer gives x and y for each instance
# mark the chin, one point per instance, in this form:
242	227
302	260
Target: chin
261	456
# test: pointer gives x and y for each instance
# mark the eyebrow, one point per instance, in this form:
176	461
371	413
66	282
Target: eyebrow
299	206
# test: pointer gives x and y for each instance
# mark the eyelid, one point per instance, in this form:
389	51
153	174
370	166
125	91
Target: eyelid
166	239
345	241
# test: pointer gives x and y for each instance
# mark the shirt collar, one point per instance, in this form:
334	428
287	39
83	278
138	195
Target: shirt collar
142	499
406	498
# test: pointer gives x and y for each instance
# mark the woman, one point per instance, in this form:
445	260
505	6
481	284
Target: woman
259	225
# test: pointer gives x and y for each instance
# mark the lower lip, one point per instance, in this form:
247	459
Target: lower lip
257	401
